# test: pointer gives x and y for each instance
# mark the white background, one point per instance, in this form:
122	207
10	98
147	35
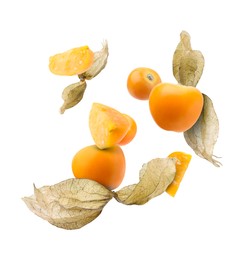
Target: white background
37	143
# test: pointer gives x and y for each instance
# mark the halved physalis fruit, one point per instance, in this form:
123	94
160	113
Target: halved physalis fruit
131	131
107	125
183	160
72	62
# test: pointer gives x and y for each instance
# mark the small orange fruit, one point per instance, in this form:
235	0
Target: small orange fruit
141	81
183	160
106	166
175	107
71	62
131	131
107	125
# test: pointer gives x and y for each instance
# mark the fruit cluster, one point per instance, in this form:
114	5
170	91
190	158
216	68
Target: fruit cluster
173	107
104	162
100	168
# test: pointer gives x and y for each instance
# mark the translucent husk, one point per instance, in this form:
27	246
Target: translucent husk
99	63
73	203
72	95
188	67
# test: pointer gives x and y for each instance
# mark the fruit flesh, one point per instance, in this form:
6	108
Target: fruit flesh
131	132
107	125
71	62
183	160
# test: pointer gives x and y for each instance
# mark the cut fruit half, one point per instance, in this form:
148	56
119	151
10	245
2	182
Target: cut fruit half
72	62
107	125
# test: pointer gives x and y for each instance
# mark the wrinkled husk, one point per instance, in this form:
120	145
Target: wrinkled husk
72	95
99	63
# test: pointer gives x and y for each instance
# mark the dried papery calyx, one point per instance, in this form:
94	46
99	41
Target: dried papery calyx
72	95
73	203
202	137
154	178
188	64
99	63
70	204
188	67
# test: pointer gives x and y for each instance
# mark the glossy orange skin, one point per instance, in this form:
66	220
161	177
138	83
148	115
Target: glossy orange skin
175	107
141	81
106	166
131	131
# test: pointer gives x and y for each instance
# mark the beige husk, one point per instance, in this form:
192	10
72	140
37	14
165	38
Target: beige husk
188	67
72	95
155	177
99	63
203	135
73	203
188	64
70	204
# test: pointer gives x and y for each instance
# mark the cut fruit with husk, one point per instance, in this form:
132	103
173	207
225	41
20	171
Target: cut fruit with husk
81	62
107	125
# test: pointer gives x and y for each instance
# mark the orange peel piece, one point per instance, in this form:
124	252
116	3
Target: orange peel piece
72	62
183	160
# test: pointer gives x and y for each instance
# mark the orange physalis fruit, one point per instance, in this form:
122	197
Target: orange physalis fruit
106	166
107	125
141	81
131	132
183	160
71	62
175	107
